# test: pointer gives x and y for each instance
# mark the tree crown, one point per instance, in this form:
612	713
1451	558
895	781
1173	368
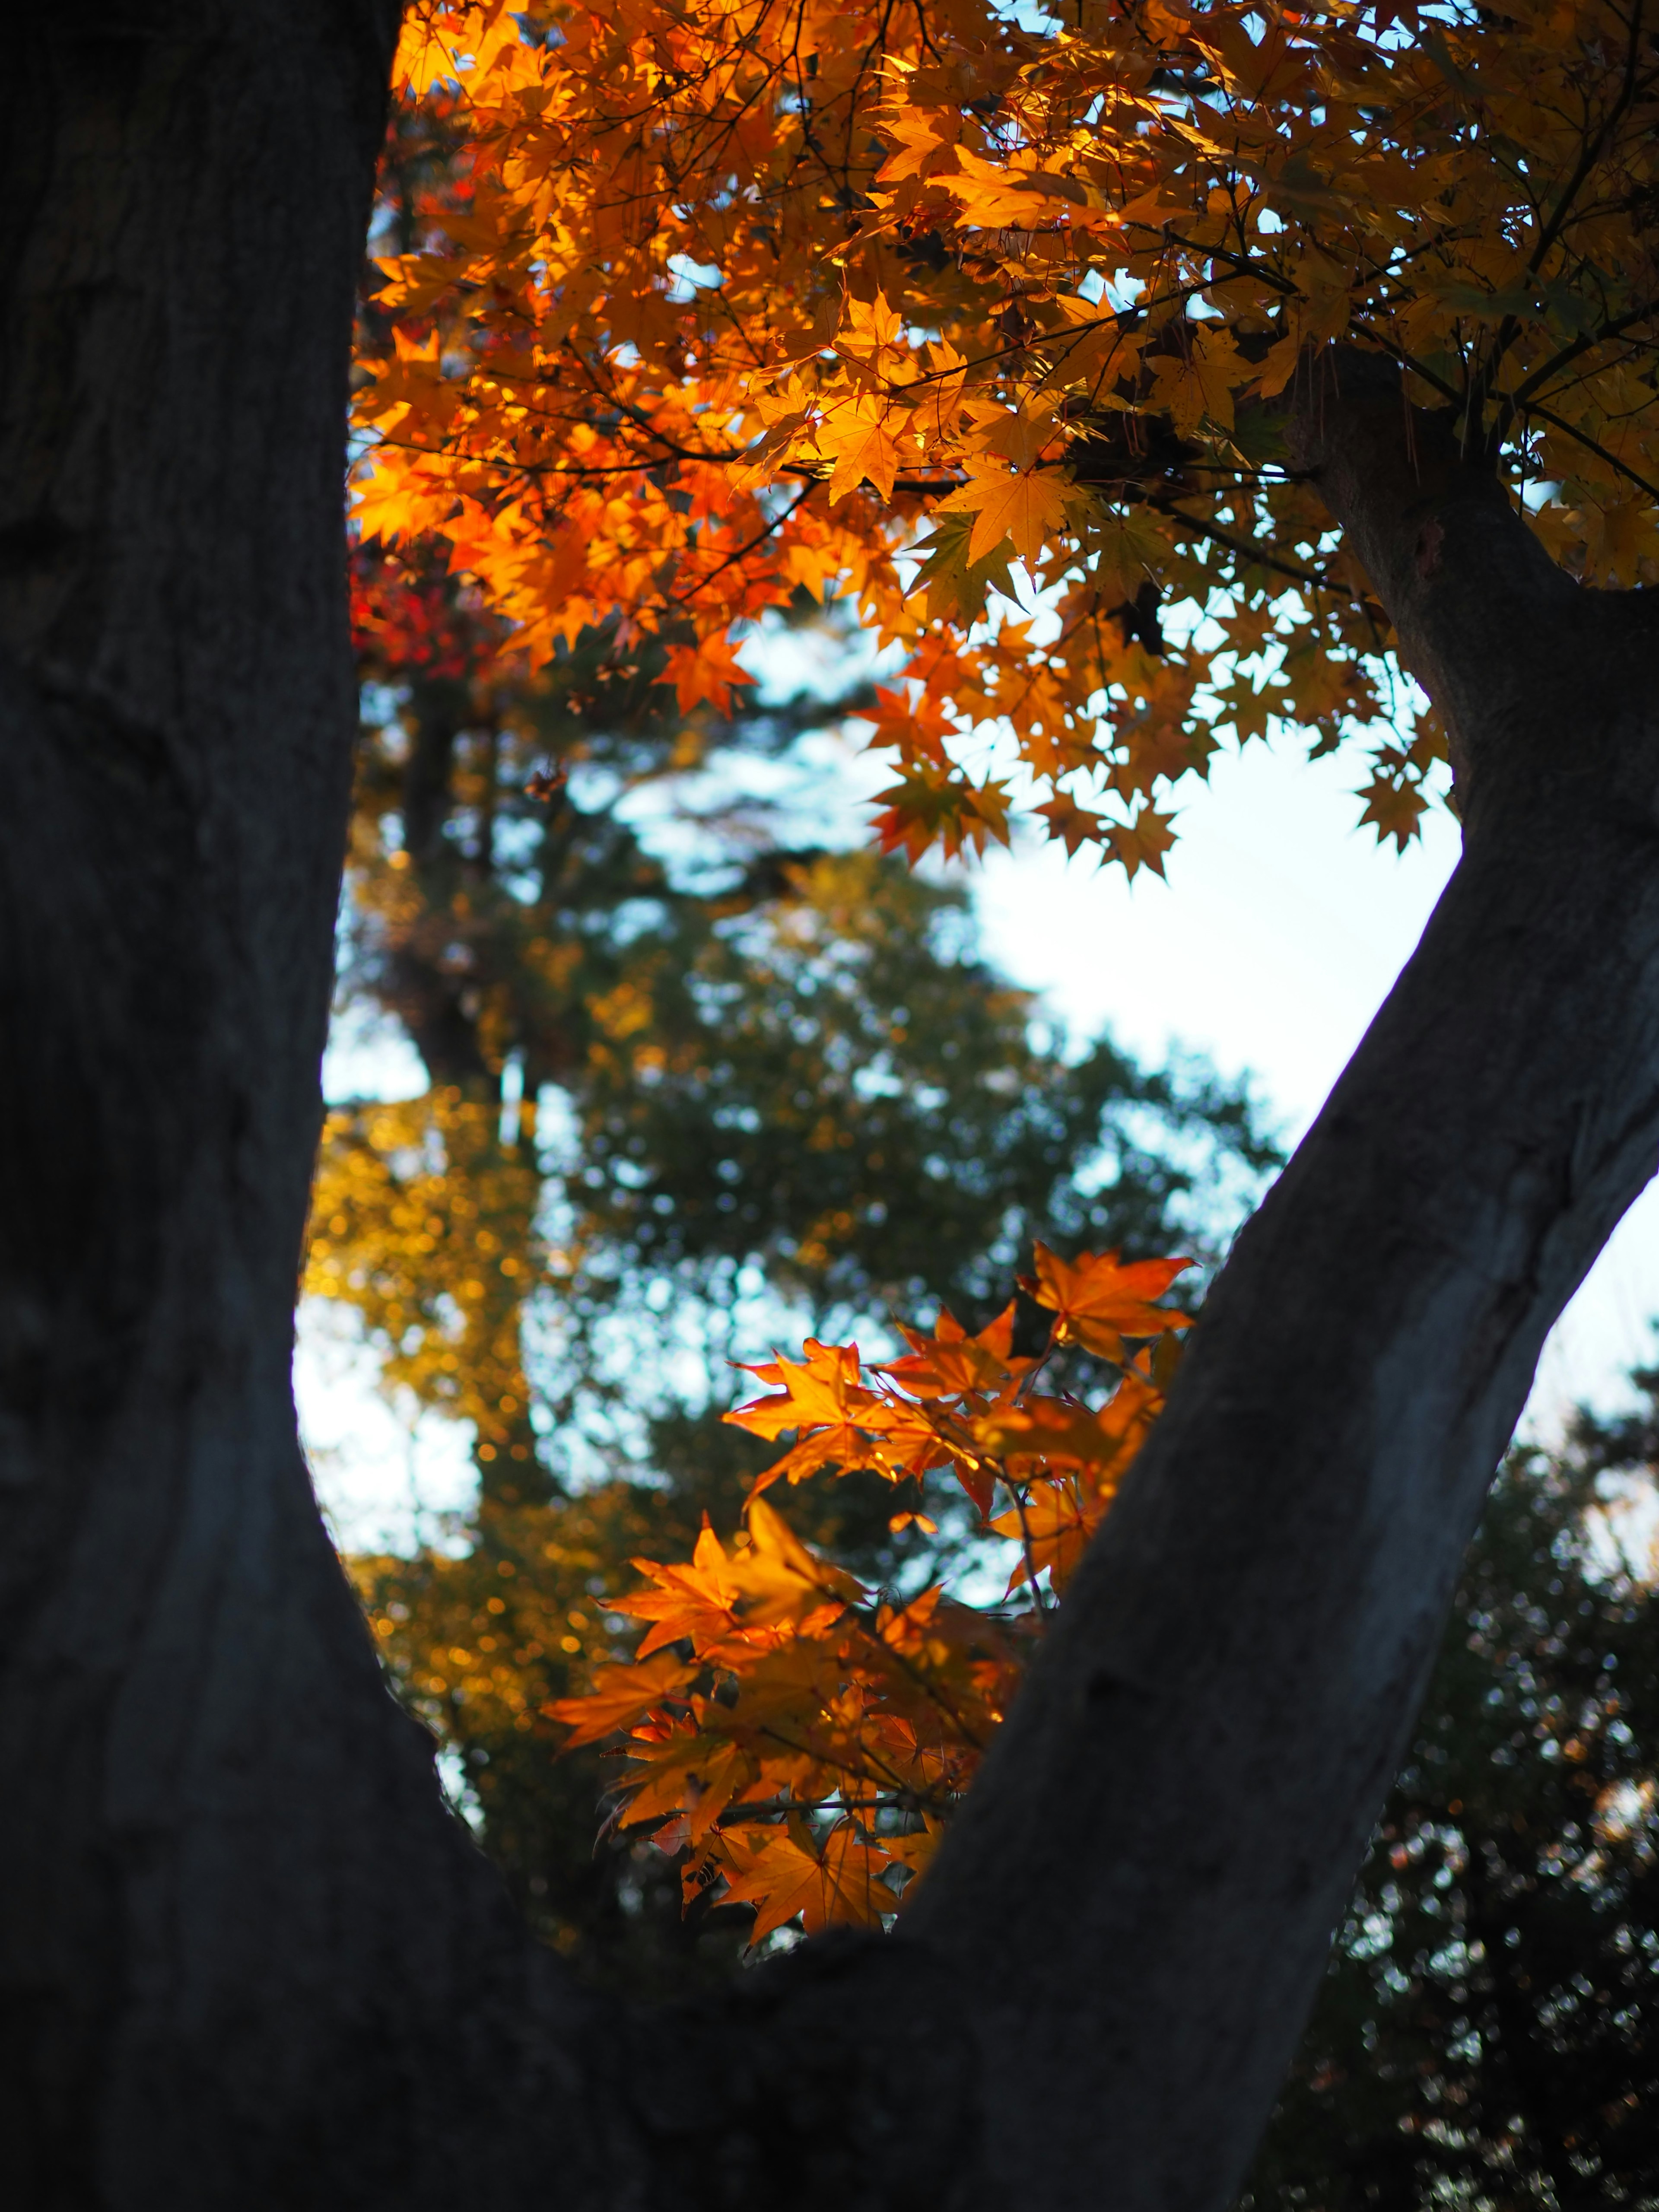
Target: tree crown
742	301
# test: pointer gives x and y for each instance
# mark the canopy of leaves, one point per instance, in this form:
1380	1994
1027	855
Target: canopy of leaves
744	297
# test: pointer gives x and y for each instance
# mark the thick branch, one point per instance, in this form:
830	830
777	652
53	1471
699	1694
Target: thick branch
1142	1885
1476	602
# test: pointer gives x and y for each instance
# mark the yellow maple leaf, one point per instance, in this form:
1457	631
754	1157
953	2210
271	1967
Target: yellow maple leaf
424	56
1024	508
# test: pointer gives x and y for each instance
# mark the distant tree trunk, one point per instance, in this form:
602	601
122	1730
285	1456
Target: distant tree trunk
246	1957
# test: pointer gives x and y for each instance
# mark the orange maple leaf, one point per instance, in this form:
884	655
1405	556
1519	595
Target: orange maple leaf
823	1399
779	1579
618	1695
1073	824
1060	1433
783	1874
707	671
692	1775
926	137
1027	508
950	1363
857	434
1052	1526
1098	1299
695	1601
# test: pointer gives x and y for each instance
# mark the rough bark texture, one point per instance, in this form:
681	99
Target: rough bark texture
246	1957
240	1940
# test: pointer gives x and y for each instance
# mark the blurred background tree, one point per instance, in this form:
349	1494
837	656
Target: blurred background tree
700	1076
1488	2031
700	1073
693	1086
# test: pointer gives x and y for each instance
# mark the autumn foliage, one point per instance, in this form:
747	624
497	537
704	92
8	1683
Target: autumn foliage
988	319
991	322
806	1738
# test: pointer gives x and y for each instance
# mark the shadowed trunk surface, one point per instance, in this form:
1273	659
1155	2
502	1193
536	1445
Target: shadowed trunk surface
246	1954
239	1936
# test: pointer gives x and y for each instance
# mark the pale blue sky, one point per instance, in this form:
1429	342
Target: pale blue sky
1276	938
1277	935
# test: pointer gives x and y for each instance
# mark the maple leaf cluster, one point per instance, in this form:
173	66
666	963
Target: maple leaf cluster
407	619
745	298
808	1738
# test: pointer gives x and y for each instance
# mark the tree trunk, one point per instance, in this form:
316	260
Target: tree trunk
242	1943
246	1957
1142	1885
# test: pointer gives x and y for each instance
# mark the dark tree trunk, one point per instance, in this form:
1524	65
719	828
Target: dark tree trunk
246	1957
242	1944
1210	1733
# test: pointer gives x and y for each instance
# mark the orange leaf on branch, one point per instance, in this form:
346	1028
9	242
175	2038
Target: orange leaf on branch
783	1873
817	1722
618	1695
1098	1299
1025	508
822	1401
707	671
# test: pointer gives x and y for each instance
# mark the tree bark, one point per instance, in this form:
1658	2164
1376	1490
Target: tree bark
1196	1761
246	1954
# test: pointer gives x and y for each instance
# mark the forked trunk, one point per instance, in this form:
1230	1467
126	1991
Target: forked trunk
246	1957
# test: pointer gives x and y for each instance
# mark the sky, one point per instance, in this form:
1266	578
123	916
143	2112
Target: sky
1279	930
